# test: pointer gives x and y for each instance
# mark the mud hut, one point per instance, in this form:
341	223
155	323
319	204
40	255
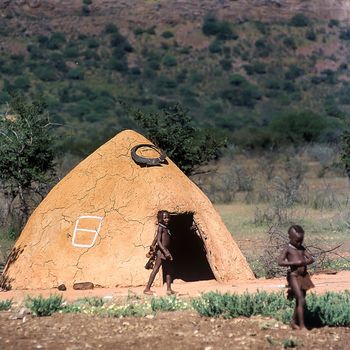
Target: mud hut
97	223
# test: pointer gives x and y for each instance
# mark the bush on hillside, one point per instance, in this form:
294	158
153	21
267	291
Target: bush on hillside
345	34
221	29
76	74
56	40
299	20
289	43
167	34
297	127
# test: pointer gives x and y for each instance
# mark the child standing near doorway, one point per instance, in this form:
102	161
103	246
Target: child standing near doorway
296	258
163	255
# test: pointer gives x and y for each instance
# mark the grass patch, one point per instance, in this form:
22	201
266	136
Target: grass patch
40	306
171	303
330	309
5	305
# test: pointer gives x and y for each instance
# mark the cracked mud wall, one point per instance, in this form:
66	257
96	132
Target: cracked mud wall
109	187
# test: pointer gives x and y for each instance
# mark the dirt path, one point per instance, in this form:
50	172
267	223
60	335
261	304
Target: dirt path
323	282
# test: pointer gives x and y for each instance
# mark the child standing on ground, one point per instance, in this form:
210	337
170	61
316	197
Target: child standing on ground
296	258
163	255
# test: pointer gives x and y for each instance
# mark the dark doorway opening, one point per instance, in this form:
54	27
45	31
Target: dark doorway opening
188	250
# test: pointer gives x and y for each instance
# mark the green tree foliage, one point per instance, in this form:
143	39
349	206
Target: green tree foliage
297	127
345	152
26	152
172	131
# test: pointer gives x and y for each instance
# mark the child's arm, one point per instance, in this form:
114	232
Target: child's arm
283	260
309	259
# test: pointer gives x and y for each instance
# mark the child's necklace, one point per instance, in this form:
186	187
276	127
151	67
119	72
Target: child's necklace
292	246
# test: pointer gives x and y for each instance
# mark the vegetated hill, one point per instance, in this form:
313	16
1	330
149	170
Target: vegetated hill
261	71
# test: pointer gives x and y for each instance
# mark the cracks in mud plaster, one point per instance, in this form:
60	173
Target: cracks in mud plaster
79	269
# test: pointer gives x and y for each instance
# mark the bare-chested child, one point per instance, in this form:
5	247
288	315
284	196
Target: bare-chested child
296	258
163	255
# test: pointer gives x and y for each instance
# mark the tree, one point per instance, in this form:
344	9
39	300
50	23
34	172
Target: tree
26	155
172	131
345	152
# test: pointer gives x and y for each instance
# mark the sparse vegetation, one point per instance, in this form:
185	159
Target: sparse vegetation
329	309
40	306
5	305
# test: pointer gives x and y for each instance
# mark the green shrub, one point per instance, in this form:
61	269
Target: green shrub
214	304
210	25
165	82
22	83
138	31
129	310
329	76
169	61
237	80
289	43
40	306
167	34
45	73
35	51
311	35
42	39
215	47
85	10
294	72
221	29
56	40
92	301
345	34
226	64
171	303
92	43
110	28
76	74
297	127
5	305
4	97
299	20
329	309
245	95
333	23
71	52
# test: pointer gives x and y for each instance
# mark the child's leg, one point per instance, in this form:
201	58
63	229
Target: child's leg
300	303
168	270
154	272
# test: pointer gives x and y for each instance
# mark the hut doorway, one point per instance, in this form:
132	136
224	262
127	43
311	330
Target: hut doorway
188	250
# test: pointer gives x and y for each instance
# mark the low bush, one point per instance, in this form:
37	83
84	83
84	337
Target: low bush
171	303
329	309
39	306
299	20
5	305
214	304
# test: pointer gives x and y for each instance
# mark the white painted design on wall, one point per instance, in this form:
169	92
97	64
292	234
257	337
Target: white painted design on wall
80	232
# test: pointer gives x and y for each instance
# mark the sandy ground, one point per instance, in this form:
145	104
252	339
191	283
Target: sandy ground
323	282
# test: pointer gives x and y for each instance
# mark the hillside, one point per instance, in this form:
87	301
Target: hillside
238	66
